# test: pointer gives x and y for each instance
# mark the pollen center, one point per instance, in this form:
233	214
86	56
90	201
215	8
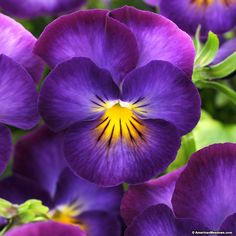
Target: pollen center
119	122
205	3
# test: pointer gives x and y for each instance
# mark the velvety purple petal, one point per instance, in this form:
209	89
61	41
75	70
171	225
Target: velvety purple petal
229	225
18	189
5	147
159	221
98	223
89	197
158	38
35	8
225	50
160	90
133	158
18	95
48	228
205	190
39	157
92	34
156	191
17	43
76	90
218	16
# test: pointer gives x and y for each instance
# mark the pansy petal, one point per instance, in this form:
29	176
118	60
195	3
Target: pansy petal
132	152
229	225
225	50
18	189
156	191
160	90
159	220
35	8
99	223
39	157
205	190
5	147
158	38
76	90
90	34
17	43
18	95
89	197
46	229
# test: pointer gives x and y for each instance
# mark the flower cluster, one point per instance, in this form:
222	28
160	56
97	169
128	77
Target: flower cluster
112	99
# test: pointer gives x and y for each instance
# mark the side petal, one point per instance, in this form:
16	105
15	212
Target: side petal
5	147
90	34
158	38
75	90
140	197
89	197
39	156
159	220
205	190
46	229
33	9
99	223
18	95
132	158
160	90
17	43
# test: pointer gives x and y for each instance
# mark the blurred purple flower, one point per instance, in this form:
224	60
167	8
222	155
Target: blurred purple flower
18	95
36	8
154	3
212	15
46	229
204	195
40	172
119	127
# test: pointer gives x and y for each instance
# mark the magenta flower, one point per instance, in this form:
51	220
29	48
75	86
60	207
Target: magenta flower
121	90
212	15
18	95
36	8
201	197
46	229
40	172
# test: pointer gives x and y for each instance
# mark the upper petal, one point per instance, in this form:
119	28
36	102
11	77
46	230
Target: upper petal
160	90
126	151
75	90
18	95
5	147
90	34
39	156
158	38
159	220
156	191
229	225
205	190
46	229
36	8
17	43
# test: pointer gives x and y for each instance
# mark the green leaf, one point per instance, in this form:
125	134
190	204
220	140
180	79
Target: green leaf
222	69
196	40
231	94
7	209
208	52
187	148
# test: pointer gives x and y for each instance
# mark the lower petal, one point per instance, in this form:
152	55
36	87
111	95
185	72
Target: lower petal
109	153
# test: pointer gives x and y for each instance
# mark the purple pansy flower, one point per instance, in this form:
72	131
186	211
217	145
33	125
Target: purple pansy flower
213	15
117	90
46	229
39	172
204	194
36	8
18	95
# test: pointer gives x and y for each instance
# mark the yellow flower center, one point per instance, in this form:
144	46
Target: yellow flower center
205	3
119	122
